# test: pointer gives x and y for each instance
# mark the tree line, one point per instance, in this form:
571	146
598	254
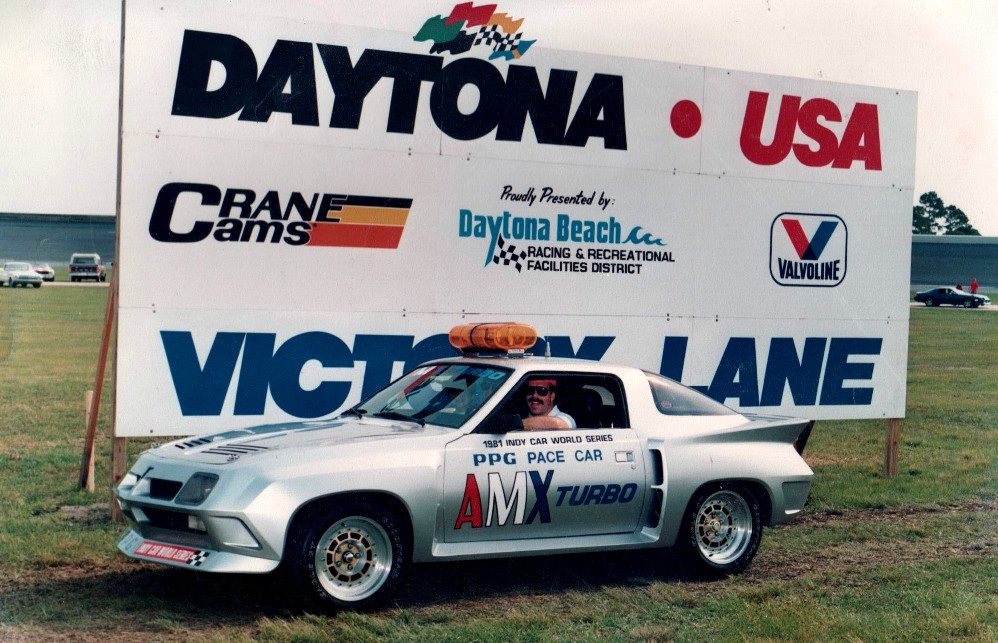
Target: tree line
932	216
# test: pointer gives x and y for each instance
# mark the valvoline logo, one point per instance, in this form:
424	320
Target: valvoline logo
808	249
457	32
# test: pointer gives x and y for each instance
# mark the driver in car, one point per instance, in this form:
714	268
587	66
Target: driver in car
544	413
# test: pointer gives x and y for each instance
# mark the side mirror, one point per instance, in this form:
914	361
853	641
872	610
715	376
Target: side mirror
510	422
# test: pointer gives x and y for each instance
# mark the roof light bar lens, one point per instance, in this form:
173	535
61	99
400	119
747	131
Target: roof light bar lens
504	336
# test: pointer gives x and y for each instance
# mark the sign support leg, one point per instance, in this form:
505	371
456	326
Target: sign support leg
119	462
88	410
891	447
88	440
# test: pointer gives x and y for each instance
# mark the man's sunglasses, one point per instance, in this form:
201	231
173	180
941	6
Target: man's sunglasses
540	390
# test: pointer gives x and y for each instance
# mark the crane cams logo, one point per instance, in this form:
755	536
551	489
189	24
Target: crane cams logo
240	215
808	250
456	33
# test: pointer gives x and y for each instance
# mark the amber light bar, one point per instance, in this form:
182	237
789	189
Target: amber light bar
504	336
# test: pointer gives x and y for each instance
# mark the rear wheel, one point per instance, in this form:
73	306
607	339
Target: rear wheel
930	302
37	285
721	531
349	556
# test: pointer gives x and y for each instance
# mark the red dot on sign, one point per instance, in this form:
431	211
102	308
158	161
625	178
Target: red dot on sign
685	118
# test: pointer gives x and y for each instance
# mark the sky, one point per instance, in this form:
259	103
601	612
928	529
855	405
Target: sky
59	64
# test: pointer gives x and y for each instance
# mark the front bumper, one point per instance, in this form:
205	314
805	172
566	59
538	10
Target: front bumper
202	537
198	558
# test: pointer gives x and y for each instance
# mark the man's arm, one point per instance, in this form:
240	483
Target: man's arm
544	423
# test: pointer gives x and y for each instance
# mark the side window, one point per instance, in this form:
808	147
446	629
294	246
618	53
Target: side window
599	403
672	398
591	400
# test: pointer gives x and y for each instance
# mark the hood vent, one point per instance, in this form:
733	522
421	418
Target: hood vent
236	449
193	443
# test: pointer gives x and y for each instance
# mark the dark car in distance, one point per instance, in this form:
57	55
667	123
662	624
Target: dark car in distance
86	265
951	297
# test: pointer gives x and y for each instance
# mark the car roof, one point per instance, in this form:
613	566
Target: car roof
536	363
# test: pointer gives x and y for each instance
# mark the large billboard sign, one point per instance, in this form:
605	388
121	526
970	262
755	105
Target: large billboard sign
308	207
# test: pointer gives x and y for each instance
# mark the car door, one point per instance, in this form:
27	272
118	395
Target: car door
501	485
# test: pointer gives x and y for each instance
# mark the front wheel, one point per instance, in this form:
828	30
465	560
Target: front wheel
349	556
721	531
37	285
968	303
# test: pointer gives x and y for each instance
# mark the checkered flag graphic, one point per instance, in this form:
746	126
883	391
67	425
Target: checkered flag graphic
198	558
507	256
500	41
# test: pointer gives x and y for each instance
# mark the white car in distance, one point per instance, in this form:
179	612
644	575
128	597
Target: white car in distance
19	273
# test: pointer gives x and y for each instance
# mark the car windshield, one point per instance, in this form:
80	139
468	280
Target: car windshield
17	266
443	394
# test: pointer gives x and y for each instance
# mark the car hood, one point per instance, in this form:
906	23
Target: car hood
313	436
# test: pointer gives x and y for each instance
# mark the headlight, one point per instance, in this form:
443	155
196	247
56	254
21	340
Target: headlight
128	480
197	489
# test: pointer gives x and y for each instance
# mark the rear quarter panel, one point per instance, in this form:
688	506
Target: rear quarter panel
709	449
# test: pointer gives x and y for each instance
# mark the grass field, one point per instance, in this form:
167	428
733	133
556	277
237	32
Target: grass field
912	558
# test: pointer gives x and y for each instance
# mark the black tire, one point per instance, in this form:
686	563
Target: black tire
73	279
37	285
929	302
721	531
10	282
367	556
103	278
968	303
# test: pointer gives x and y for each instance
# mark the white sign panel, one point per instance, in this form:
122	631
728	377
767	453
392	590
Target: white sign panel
307	208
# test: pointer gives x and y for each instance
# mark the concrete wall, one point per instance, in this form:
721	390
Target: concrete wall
951	260
53	238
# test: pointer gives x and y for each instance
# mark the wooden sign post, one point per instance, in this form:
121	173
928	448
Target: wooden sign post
891	447
88	412
91	433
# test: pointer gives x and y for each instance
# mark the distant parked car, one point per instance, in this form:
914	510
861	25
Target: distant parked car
19	273
44	270
86	265
951	297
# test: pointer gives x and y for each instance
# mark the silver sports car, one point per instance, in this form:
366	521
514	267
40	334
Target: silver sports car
491	454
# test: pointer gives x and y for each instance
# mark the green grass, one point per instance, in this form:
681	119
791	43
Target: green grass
910	558
949	437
